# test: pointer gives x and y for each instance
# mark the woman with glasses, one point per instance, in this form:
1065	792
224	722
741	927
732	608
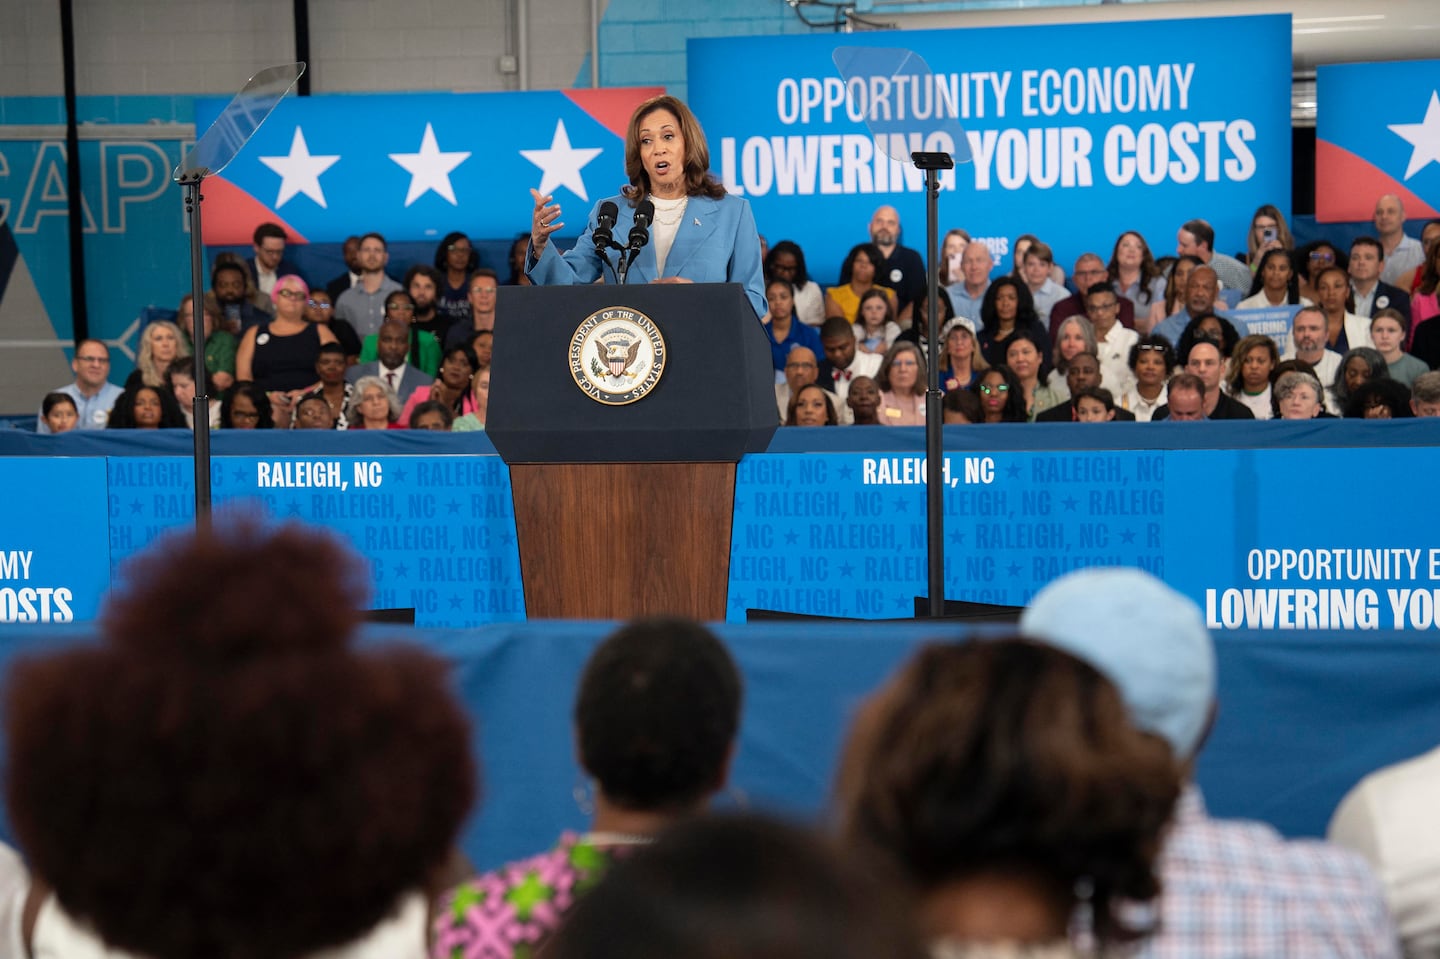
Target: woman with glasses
279	356
424	351
1002	399
1151	360
455	261
902	379
320	308
246	407
1310	259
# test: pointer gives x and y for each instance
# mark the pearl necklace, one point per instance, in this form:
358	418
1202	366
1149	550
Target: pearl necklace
669	212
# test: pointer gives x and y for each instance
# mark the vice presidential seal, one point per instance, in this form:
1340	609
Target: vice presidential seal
617	355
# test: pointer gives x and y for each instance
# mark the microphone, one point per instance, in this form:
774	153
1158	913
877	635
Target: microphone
604	226
640	232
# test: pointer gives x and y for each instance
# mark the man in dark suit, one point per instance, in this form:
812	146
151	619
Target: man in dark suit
269	263
351	252
1206	368
391	346
1367	261
1084	373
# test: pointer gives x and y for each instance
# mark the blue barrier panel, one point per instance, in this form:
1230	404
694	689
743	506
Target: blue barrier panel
832	521
1300	717
54	551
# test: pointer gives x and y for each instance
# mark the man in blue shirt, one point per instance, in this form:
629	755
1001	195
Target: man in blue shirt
92	391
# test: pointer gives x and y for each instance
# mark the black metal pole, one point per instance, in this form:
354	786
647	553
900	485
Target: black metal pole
79	314
302	43
191	185
932	164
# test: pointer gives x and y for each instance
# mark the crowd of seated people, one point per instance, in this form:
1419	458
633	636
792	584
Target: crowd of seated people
275	329
275	339
1139	316
273	787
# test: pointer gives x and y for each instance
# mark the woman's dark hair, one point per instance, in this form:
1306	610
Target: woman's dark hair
53	400
1384	392
256	396
699	181
412	356
830	418
1024	309
656	714
1156	342
1292	289
1235	372
722	887
1301	260
964	402
872	253
1229	337
1379	370
802	275
122	414
1014	410
920	313
1175	296
1008	755
442	258
432	406
185	366
229	778
516	259
1030	335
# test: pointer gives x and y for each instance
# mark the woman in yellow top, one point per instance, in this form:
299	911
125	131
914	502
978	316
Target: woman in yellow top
857	277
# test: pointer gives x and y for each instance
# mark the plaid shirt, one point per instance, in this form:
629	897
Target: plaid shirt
1238	890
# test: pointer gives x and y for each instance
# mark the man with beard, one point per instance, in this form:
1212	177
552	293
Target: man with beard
227	291
902	269
1308	332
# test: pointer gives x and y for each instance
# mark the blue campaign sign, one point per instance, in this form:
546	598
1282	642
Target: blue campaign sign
415	166
1255	559
1077	132
54	550
1272	321
439	532
1377	131
843	534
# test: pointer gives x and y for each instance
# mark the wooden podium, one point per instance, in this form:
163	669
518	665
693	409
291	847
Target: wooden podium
624	510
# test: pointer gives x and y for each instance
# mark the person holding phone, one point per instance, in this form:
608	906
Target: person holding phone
1267	232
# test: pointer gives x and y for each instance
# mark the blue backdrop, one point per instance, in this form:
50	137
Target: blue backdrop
1078	132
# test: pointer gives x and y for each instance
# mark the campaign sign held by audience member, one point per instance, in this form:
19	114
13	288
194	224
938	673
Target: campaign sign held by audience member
1077	132
1377	132
327	167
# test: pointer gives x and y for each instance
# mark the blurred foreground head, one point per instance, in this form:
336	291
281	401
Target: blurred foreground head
224	774
1007	764
726	887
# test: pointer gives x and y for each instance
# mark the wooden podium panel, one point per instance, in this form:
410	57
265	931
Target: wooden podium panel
624	540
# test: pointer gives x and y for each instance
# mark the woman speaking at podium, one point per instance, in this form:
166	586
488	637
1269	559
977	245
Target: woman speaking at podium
697	232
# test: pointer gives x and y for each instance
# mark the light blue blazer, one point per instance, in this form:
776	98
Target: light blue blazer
716	243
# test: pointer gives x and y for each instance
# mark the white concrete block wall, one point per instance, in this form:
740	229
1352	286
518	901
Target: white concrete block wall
170	47
30	49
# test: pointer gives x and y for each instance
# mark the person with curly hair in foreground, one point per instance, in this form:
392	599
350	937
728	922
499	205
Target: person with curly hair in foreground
230	778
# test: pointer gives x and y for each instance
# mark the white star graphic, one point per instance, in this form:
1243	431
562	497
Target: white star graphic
430	169
1424	137
561	163
299	172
